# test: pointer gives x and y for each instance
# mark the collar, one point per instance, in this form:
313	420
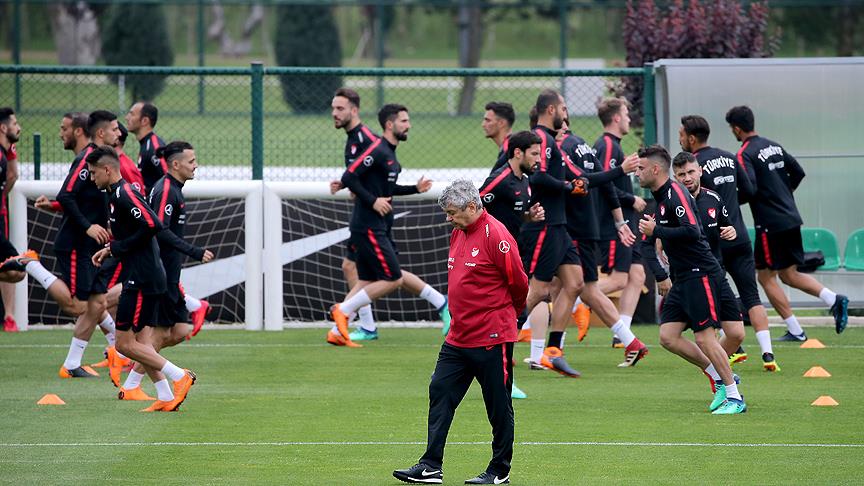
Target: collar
658	194
616	137
173	180
548	130
484	217
117	184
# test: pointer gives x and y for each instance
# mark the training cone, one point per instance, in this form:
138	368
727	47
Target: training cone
817	372
812	344
825	401
50	399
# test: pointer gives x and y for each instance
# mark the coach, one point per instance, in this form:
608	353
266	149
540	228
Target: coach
487	289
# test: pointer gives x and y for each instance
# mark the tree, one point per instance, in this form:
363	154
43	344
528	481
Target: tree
718	29
308	36
75	28
137	34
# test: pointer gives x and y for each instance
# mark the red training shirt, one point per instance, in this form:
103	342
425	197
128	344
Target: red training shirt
487	286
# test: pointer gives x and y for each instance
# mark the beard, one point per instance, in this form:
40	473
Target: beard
337	123
401	136
13	137
557	122
69	143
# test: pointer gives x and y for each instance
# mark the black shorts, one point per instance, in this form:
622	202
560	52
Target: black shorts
136	309
588	257
172	309
111	273
350	252
741	266
79	273
543	251
376	256
617	257
779	250
701	303
7	249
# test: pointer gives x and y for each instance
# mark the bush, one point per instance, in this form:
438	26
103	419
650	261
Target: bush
716	29
308	36
136	34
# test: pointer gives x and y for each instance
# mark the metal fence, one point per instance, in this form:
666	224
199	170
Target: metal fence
274	123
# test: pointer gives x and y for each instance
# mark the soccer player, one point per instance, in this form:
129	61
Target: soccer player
167	200
345	111
623	264
82	232
498	125
141	120
134	226
775	174
545	247
721	173
10	133
489	290
582	227
372	178
694	298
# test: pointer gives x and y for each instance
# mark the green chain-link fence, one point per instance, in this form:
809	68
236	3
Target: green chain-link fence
275	123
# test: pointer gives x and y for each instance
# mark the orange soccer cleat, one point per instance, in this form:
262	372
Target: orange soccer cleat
197	318
553	358
582	318
341	320
79	372
524	336
181	389
157	406
337	340
134	394
115	365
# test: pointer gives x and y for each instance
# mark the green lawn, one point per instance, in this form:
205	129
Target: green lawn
285	408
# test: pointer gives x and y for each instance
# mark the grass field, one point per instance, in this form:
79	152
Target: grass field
285	408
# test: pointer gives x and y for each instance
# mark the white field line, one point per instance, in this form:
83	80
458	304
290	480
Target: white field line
415	443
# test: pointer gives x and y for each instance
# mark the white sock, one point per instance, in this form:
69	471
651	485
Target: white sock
764	338
793	326
433	296
163	391
39	273
732	391
367	322
76	352
537	347
172	372
133	380
627	320
334	329
110	329
563	340
352	304
624	333
828	296
527	325
713	373
192	304
576	304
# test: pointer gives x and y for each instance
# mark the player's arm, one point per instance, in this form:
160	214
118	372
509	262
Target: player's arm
688	227
161	200
746	188
727	230
626	199
745	162
649	255
11	171
351	178
147	224
505	254
794	169
69	191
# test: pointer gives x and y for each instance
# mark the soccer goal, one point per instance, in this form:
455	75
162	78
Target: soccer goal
223	216
305	232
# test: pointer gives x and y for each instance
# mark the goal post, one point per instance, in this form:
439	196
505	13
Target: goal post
224	216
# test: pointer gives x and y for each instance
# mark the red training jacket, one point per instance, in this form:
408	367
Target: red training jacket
487	286
130	173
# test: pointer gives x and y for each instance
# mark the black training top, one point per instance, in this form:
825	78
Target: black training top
775	174
134	226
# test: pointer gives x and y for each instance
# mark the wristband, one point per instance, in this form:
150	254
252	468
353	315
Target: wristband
619	224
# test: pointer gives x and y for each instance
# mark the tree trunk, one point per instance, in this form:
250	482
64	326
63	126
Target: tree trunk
76	33
470	21
849	20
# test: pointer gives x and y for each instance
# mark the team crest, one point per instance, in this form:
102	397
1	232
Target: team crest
662	210
712	212
353	149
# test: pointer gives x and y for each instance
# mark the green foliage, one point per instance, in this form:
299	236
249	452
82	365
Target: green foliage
136	34
308	36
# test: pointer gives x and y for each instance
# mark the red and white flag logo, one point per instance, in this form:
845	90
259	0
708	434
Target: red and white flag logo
712	212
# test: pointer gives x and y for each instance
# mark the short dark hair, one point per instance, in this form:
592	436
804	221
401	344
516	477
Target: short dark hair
532	117
79	120
350	95
173	150
388	112
103	153
741	117
608	108
697	126
150	111
657	153
5	114
546	98
502	110
682	159
521	140
97	119
124	133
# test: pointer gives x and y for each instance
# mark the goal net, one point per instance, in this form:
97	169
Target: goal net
216	219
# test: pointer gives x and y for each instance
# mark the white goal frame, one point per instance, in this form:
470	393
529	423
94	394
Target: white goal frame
250	191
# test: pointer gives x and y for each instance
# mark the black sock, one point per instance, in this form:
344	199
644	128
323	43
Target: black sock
555	338
523	317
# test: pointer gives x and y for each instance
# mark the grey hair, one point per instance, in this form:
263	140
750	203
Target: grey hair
459	193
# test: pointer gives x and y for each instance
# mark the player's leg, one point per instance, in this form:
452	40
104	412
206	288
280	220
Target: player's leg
836	302
634	350
730	317
611	265
420	288
368	328
7	291
83	330
740	264
672	339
